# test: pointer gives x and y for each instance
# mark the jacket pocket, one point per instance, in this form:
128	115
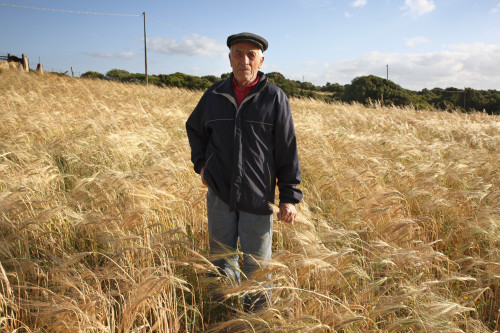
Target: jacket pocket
206	167
208	160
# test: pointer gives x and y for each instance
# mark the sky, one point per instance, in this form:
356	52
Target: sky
416	43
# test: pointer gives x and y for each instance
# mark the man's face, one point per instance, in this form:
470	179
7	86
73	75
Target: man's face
246	60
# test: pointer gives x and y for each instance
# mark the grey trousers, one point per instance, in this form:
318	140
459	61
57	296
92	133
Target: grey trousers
255	233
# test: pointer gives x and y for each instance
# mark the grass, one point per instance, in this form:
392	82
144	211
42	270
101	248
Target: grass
103	223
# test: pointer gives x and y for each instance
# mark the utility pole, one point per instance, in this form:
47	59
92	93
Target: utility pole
465	92
387	71
145	49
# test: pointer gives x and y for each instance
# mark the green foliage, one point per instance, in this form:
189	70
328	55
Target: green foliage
141	78
92	75
119	75
445	105
299	89
366	89
211	78
363	89
187	81
465	100
335	88
291	88
419	103
474	99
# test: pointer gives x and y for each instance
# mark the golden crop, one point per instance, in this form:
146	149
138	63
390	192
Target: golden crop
103	224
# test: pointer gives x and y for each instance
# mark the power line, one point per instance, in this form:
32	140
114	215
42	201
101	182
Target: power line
93	13
68	11
96	13
107	14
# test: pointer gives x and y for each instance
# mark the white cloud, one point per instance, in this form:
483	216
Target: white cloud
462	65
418	7
122	55
412	42
347	15
358	3
193	45
495	9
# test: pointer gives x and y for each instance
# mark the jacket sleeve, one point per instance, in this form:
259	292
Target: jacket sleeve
197	135
286	159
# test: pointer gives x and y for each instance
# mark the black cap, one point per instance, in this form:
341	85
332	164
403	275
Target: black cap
247	37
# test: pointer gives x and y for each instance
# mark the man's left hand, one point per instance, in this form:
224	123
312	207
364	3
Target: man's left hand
287	212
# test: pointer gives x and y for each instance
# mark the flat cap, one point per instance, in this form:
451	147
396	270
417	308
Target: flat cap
248	37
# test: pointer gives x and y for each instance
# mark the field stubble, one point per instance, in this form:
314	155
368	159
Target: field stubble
103	224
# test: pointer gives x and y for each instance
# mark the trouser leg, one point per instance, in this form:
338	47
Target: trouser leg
223	237
256	237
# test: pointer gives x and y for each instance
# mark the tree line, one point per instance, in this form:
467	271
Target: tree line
364	89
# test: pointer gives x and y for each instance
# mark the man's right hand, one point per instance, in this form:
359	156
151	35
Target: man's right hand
202	178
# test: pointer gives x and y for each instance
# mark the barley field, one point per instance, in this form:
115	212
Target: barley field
103	223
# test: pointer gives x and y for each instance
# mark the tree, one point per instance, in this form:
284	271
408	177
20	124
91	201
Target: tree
473	99
92	75
181	80
446	105
141	78
365	89
335	88
211	78
119	75
289	87
307	86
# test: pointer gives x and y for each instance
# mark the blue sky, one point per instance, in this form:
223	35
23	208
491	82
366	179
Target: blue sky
425	43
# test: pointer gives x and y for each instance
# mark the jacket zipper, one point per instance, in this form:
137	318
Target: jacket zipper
233	101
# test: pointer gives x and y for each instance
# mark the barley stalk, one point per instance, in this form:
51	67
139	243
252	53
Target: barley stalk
103	223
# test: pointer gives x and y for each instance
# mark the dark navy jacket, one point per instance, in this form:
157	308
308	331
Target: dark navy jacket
246	149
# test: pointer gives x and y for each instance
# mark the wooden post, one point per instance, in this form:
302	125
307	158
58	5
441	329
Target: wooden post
72	72
39	69
26	65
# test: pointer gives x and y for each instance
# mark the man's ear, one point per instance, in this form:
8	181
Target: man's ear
261	62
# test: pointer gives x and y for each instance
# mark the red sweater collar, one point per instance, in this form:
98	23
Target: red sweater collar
240	94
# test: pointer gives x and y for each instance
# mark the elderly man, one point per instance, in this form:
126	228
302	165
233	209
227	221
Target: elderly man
243	143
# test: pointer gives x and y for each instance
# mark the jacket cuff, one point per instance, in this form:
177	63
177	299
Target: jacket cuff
198	167
292	201
291	196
